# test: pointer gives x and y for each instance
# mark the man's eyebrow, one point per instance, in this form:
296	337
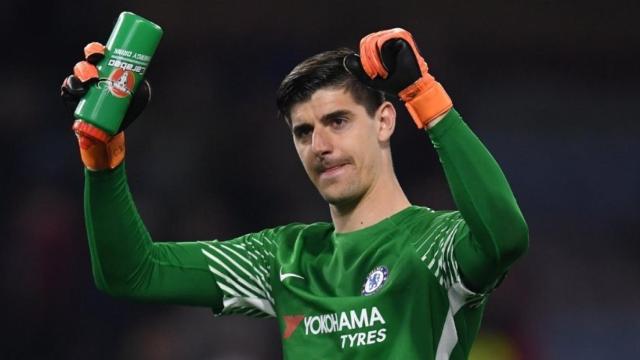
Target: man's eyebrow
323	119
336	114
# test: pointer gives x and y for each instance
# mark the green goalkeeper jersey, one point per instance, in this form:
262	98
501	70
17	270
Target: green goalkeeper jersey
388	291
412	286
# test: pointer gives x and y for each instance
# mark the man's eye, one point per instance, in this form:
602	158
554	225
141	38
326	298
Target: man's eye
338	122
302	132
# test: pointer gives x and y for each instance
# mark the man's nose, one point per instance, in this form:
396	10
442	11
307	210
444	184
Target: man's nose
320	142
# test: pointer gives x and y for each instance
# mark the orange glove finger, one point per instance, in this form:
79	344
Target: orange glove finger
372	59
94	52
367	56
85	71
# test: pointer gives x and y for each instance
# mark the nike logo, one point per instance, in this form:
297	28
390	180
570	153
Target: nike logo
288	275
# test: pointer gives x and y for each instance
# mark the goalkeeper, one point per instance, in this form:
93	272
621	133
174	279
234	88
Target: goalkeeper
385	279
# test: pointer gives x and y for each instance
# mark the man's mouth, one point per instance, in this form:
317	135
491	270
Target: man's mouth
331	170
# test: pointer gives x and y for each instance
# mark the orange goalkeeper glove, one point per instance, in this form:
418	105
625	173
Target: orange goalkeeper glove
390	61
99	151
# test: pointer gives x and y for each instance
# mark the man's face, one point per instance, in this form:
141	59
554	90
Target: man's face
339	145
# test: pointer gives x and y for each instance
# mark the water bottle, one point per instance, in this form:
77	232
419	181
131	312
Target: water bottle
128	52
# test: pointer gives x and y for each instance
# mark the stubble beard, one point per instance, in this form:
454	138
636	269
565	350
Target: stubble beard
346	197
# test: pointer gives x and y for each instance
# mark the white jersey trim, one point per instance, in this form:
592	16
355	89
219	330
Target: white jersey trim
458	296
246	302
245	288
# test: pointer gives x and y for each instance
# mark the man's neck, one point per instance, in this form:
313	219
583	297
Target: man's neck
384	199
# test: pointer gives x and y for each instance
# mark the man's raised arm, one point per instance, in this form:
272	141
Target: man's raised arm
496	233
124	259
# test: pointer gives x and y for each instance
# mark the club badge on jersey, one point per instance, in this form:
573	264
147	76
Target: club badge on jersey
374	281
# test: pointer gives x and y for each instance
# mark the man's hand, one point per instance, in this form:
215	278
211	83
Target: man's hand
390	61
98	150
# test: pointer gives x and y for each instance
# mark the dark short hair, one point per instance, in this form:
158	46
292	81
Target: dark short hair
324	70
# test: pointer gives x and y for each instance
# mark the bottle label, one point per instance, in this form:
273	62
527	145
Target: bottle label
127	67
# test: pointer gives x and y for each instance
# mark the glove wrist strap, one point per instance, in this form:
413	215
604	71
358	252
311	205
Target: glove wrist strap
425	100
85	129
97	154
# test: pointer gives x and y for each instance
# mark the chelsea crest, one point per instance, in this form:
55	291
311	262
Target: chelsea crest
374	281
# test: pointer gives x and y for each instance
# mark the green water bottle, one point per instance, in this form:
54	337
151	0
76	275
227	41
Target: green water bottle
128	52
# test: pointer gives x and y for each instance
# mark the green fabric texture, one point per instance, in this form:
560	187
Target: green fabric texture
124	259
498	232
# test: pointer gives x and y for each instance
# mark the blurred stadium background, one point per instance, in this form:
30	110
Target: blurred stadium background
551	87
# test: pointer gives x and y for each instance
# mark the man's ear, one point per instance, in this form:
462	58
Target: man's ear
387	121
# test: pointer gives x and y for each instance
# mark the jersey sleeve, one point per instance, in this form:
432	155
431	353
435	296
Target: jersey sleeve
436	247
242	270
231	277
127	263
489	233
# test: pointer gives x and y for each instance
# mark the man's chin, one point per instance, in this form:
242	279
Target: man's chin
340	200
